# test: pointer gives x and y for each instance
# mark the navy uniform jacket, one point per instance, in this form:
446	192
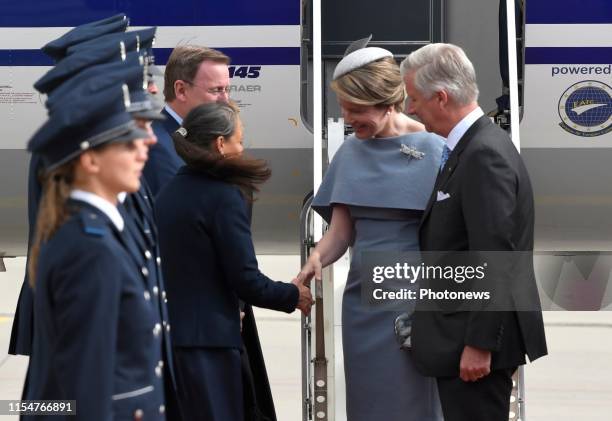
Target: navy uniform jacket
96	337
163	162
140	225
209	261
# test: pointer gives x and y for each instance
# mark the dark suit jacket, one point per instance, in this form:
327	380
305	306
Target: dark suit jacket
163	162
490	208
209	261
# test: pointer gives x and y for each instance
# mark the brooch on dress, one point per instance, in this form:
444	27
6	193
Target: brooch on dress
411	152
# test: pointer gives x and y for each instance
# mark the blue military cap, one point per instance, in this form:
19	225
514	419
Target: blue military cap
57	49
76	63
147	41
92	118
131	71
111	19
132	39
96	77
143	105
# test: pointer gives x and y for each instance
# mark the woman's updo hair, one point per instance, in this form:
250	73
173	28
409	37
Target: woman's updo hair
378	83
195	141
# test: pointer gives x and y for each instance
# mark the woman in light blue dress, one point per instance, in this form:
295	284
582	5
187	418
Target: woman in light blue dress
373	195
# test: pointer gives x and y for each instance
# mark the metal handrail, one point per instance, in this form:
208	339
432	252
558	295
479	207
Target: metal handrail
306	244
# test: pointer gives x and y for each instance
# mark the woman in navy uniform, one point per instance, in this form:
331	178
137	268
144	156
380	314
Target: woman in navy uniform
210	263
96	338
22	331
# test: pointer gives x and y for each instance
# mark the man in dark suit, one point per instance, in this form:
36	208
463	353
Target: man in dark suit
482	202
194	75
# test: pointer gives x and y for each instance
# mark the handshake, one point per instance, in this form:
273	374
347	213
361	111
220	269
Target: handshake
302	282
305	301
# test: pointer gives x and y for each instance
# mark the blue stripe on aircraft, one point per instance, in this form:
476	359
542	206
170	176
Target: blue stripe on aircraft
569	11
239	56
567	55
40	13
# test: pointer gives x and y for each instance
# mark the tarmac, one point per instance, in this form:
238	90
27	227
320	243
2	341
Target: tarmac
574	382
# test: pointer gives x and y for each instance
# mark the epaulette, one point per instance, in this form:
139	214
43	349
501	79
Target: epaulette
93	224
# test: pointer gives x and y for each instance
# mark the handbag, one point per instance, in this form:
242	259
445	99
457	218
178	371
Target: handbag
403	329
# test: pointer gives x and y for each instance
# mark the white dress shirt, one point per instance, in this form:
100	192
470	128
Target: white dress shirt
459	130
103	205
173	113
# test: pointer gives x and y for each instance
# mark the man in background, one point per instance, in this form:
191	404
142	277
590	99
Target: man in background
194	75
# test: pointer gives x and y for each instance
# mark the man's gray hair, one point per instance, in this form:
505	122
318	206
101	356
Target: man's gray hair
442	67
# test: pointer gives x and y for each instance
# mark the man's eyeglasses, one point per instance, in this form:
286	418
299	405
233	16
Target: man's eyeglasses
214	91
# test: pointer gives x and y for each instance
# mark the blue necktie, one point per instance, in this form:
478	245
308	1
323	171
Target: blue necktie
445	154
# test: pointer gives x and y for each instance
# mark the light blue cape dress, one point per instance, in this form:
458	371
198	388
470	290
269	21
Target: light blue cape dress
386	187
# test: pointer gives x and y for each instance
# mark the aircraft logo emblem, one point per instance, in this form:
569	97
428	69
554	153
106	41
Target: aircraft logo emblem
585	109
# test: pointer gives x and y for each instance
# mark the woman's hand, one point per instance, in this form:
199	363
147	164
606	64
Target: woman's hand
313	267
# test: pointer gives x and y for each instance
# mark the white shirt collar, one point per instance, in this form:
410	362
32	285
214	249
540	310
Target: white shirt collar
121	197
99	203
174	115
459	130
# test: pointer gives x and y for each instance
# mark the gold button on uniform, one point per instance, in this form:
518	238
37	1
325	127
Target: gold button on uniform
145	271
148	254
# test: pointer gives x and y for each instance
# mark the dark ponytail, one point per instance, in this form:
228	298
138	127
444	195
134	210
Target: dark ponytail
195	142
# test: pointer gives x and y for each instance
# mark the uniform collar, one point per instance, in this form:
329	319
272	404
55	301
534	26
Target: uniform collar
459	130
99	203
174	115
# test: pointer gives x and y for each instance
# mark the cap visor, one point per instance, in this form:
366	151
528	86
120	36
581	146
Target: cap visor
132	134
149	115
